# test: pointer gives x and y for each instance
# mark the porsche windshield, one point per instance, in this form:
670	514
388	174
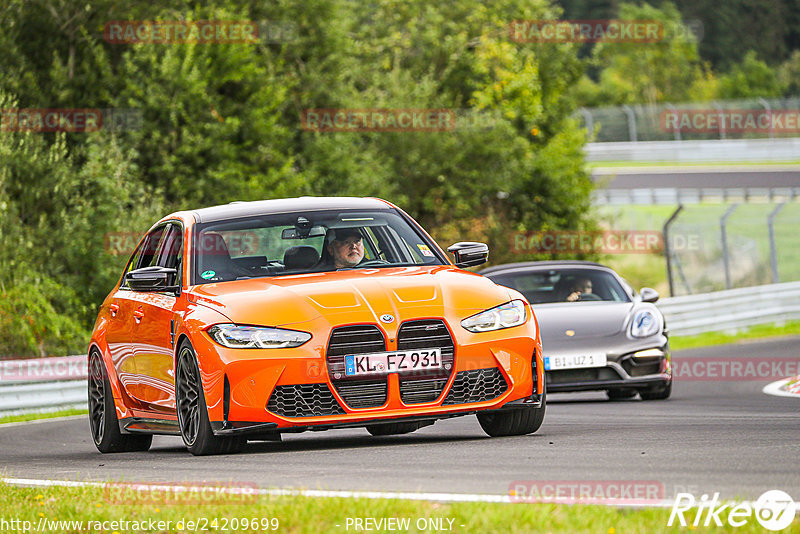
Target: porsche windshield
564	285
307	242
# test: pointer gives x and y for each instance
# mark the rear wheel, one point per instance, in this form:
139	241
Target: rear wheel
193	413
103	414
390	429
514	422
620	394
660	392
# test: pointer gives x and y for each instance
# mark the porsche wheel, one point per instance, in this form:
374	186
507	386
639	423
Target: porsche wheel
513	422
103	414
192	411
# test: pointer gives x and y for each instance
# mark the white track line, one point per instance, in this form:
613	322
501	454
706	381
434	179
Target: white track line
413	496
775	389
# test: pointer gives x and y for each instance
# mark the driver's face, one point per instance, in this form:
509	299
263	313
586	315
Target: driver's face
347	253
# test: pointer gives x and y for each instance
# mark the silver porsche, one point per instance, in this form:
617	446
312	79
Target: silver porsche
598	333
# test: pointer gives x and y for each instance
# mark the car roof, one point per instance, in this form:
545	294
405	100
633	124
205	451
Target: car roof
539	264
235	210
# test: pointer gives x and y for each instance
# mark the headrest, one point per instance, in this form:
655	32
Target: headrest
300	257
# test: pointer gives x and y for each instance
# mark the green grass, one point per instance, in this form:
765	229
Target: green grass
297	514
766	331
41	415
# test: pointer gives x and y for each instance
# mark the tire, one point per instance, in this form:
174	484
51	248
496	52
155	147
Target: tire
391	429
514	422
103	421
657	393
190	404
620	394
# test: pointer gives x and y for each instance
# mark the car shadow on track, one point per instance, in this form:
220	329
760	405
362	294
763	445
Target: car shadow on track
292	444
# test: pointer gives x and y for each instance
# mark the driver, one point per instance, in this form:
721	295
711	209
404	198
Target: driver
345	247
581	286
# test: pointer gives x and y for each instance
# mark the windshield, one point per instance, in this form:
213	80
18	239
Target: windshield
564	285
307	242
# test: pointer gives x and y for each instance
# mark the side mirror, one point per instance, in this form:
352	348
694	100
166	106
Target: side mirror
469	253
649	294
152	279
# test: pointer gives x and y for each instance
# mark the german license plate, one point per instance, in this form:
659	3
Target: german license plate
381	363
574	361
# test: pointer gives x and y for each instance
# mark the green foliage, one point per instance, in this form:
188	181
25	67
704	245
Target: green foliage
637	72
222	123
749	79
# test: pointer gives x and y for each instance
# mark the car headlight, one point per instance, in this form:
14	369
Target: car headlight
644	324
236	336
504	316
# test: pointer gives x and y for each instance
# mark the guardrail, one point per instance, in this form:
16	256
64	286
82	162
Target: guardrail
782	149
674	196
48	384
43	384
731	309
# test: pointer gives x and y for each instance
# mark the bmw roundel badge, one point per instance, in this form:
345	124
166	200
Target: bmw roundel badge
386	318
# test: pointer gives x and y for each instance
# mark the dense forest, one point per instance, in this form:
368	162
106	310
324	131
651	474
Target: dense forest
222	122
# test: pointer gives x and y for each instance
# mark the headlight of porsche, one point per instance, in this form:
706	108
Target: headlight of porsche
236	336
504	316
644	324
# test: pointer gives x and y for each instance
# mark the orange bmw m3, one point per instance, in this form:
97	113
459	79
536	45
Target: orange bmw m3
244	321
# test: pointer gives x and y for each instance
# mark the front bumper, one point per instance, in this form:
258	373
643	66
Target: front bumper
295	389
626	372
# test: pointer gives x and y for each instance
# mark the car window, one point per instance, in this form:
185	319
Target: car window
301	242
145	254
544	286
170	248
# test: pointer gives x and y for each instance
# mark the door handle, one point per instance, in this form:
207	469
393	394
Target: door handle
113	308
138	314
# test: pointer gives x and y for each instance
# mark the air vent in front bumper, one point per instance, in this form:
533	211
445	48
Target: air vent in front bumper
477	385
303	400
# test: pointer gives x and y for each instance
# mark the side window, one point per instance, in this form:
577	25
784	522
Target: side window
149	256
170	250
146	253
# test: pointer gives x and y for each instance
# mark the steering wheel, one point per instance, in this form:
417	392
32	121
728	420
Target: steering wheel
372	263
589	296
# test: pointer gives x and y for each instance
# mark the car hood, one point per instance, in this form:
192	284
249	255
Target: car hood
590	323
353	296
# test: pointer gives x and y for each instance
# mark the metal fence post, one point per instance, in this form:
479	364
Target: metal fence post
721	118
773	250
725	259
668	249
631	122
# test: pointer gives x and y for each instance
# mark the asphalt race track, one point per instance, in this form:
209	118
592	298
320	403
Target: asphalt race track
725	437
726	177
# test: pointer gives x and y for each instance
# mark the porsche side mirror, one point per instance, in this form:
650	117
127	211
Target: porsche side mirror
152	279
469	253
649	294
